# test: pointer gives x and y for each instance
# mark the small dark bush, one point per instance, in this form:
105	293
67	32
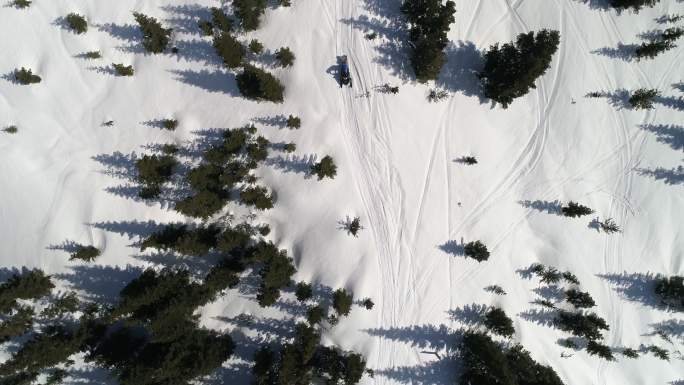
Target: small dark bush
123	70
476	250
671	290
353	226
85	253
659	352
342	302
285	57
579	299
325	168
255	83
92	55
315	315
368	303
575	210
599	349
293	122
642	99
630	353
169	124
10	129
652	49
25	76
290	147
22	3
77	22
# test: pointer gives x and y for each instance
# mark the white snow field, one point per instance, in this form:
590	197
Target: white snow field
397	171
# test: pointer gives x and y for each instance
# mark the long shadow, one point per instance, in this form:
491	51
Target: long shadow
185	17
101	284
444	371
671	134
453	247
7	273
134	230
636	287
198	51
672	176
279	121
67	246
544	317
437	338
550	292
619	99
212	81
469	315
673	102
299	164
678	86
601	5
626	52
127	33
550	207
459	74
671	328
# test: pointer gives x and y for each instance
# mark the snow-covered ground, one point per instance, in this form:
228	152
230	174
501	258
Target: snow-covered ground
396	170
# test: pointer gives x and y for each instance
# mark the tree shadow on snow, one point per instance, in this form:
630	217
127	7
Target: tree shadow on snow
128	33
676	103
672	176
636	287
185	17
602	5
550	207
459	73
453	247
100	284
211	81
671	134
626	52
299	164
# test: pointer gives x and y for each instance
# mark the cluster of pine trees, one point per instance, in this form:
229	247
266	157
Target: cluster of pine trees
429	22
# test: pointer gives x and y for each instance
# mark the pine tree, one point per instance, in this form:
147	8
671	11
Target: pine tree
255	83
429	22
285	57
258	197
155	36
498	322
579	299
599	349
33	284
230	50
659	352
123	70
511	70
303	291
630	353
342	302
587	325
643	98
652	49
670	290
221	21
77	22
315	315
368	303
293	122
634	5
17	324
325	168
476	250
25	76
85	253
574	210
249	12
256	47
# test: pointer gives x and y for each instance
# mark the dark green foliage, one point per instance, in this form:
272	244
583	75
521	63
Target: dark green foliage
165	238
206	27
33	284
275	274
485	362
469	160
264	366
257	196
22	3
293	122
77	22
342	302
17	324
339	367
56	377
672	34
85	253
25	76
169	149
634	5
579	299
429	22
659	352
44	350
249	12
496	289
574	210
22	378
203	204
257	150
498	322
568	343
652	49
315	314
92	55
195	242
123	70
550	276
598	349
255	83
155	37
256	47
169	124
476	250
229	49
353	226
10	129
511	70
587	325
325	168
303	291
570	278
221	21
671	290
368	303
223	276
290	147
234	238
630	353
643	98
285	57
65	304
155	170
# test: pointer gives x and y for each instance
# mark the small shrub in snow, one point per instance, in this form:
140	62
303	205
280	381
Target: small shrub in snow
77	23
293	122
290	147
21	4
496	289
229	49
368	303
643	98
285	57
85	253
574	209
630	353
92	55
353	226
10	129
568	343
476	250
169	124
169	149
436	95
325	168
256	47
255	83
498	322
303	291
570	278
609	226
155	36
342	302
123	70
25	76
469	160
579	299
